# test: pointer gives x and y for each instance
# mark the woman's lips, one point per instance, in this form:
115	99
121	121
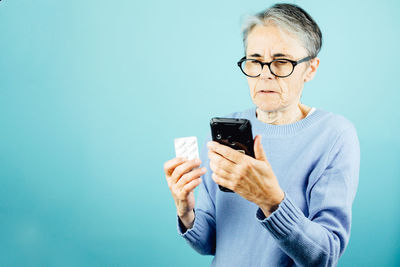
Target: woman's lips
267	92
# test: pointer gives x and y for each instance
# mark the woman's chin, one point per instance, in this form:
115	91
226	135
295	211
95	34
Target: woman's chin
267	107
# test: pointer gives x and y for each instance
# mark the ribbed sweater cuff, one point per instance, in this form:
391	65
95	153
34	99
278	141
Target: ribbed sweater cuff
283	220
192	233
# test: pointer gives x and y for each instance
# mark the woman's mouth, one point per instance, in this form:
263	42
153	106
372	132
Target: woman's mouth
267	92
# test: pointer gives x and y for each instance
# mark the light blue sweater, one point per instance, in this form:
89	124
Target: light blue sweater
316	161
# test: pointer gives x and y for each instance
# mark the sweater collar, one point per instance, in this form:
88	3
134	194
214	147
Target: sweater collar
284	129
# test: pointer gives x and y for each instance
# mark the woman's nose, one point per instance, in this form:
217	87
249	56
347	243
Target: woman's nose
266	73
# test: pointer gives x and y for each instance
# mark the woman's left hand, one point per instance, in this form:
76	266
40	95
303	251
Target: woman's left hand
252	178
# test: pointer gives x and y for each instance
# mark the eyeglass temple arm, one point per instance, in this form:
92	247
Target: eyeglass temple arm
304	59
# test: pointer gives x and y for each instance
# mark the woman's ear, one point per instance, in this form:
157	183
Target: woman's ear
311	70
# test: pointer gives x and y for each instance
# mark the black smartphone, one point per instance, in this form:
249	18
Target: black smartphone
235	133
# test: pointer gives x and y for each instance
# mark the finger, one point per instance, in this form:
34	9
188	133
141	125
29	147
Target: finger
184	168
226	151
221	161
221	181
187	177
259	152
190	186
221	172
170	165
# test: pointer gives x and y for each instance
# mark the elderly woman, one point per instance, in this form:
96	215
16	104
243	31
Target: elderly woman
291	204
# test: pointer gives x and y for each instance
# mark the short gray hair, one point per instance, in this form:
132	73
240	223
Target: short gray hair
291	18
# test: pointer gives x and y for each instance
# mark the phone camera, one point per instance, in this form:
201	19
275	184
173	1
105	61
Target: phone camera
230	140
218	136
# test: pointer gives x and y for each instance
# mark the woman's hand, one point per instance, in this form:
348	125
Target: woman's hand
252	178
182	178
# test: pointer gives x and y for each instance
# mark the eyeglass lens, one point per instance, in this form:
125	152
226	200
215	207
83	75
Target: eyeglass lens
280	67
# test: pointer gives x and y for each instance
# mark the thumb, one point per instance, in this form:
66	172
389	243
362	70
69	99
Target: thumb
258	149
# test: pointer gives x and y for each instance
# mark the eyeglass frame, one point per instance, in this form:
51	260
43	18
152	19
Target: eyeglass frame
294	64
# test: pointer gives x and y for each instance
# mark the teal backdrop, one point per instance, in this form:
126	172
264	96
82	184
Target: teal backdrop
92	94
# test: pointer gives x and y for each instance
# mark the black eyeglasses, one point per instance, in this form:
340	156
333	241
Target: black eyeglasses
279	67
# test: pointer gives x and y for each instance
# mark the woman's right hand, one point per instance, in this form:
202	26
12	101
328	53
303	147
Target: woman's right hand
182	178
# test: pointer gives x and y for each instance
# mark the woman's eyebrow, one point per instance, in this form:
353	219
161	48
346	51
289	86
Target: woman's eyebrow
280	55
274	55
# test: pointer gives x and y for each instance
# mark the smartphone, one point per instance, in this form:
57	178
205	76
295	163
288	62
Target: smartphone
235	133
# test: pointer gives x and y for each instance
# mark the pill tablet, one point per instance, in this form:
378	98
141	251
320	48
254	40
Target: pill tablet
186	147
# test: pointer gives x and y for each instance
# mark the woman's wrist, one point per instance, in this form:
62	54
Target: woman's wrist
188	219
272	204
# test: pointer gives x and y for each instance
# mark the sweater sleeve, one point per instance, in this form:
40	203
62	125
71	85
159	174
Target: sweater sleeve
201	237
321	238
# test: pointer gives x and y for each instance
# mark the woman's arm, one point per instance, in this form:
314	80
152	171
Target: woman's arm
201	236
320	238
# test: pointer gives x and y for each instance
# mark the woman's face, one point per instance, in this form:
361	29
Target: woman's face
266	43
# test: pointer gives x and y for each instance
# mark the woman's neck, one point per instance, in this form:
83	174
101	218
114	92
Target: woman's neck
284	116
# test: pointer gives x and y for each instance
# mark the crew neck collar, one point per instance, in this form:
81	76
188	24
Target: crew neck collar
285	129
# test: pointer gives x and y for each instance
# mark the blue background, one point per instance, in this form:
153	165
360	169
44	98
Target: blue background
92	94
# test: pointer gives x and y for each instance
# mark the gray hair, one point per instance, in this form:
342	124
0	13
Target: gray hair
291	18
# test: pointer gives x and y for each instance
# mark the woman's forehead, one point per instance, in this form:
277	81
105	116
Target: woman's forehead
272	41
278	50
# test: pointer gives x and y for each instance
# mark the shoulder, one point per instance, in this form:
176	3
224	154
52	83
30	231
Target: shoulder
342	134
337	124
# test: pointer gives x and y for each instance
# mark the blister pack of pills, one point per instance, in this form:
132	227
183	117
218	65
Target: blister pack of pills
186	147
